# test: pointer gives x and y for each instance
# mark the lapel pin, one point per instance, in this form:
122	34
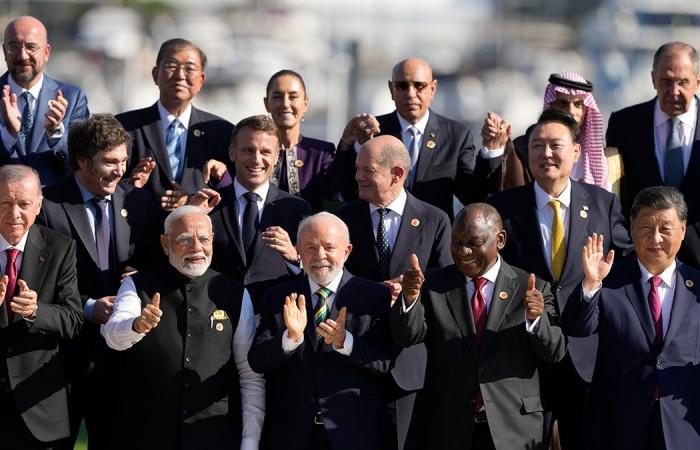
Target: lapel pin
219	326
298	163
583	214
689	283
41	260
198	133
503	295
585	207
415	222
430	144
124	212
432	135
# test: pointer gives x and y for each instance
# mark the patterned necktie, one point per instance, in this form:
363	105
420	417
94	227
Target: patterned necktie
413	153
383	249
673	156
25	129
655	308
11	272
480	314
102	234
321	309
250	220
558	246
172	142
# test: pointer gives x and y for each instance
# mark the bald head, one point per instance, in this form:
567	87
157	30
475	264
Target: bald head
477	237
381	166
26	50
411	65
412	88
474	210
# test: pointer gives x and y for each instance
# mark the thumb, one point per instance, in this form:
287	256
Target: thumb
156	300
611	256
341	314
531	282
22	285
205	172
414	262
59	94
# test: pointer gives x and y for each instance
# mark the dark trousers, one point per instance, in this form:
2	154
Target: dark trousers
481	437
656	432
400	429
14	434
319	438
568	394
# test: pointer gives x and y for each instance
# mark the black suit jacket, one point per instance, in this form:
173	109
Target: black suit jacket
266	267
504	367
451	167
347	389
208	137
425	230
34	361
593	210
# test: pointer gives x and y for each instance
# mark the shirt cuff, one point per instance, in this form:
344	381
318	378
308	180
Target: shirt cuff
588	295
58	133
296	270
491	153
403	305
89	309
288	345
346	349
249	444
226	180
356	145
531	327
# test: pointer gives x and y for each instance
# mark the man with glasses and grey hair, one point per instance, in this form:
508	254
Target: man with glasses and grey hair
185	331
37	110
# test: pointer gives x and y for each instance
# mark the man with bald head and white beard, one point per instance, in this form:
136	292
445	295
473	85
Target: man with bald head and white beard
185	331
324	345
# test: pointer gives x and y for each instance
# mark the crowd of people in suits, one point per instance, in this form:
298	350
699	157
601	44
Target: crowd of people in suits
173	281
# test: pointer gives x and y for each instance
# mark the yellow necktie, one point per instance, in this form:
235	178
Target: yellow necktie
558	245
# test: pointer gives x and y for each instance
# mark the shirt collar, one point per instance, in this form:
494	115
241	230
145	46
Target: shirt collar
17	89
421	124
542	198
687	118
261	190
332	286
166	117
398	205
491	274
4	245
666	276
87	195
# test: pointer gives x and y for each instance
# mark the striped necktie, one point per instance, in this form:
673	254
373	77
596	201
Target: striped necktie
321	309
172	142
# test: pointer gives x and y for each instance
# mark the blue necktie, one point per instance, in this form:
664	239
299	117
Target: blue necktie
383	249
25	129
102	234
673	156
172	142
413	153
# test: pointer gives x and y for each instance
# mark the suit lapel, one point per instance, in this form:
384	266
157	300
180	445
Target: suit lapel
425	155
268	217
36	260
694	163
635	294
154	135
499	306
526	219
646	146
578	227
122	231
457	300
229	216
76	214
367	242
408	235
682	299
47	92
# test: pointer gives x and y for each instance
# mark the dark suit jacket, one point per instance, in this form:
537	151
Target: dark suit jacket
505	366
47	158
629	367
452	167
30	350
208	137
524	246
631	130
267	267
348	388
425	230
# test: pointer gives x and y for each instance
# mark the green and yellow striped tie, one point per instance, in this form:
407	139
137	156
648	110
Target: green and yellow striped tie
321	310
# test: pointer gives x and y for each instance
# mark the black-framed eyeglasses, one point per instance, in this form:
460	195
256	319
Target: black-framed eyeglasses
12	48
171	67
405	85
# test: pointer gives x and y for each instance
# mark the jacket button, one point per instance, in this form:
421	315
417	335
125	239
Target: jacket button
659	361
188	359
558	288
190	309
189	335
189	289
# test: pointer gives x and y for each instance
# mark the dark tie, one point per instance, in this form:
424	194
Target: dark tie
321	309
383	249
11	272
250	220
655	308
673	156
102	234
413	153
25	129
172	142
480	314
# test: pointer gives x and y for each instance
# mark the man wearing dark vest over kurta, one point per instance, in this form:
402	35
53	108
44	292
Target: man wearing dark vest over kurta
185	331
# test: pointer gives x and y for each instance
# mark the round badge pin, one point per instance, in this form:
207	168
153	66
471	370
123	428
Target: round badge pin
430	144
124	212
415	222
198	133
298	163
583	214
503	295
689	283
219	327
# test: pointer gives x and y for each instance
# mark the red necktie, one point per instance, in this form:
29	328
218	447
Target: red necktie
11	272
480	313
655	308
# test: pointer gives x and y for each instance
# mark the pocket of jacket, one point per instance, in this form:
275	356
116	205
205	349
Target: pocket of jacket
532	404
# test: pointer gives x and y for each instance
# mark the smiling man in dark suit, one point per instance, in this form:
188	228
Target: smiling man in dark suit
39	308
172	140
444	161
387	225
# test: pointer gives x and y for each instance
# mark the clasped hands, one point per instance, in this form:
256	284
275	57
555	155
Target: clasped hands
24	303
13	117
295	319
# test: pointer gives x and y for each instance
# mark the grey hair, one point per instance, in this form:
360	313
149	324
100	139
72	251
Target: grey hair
394	153
675	46
179	213
660	197
308	221
13	173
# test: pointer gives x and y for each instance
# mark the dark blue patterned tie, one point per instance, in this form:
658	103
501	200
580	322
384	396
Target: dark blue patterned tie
383	249
25	129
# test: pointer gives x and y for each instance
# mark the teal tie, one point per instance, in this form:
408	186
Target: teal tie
321	310
172	142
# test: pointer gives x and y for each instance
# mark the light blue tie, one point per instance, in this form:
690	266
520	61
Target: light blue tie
673	157
172	142
25	129
413	153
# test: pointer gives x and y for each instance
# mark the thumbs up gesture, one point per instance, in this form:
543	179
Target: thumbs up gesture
412	281
150	316
24	303
3	288
534	302
333	331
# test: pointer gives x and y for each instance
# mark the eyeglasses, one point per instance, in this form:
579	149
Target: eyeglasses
405	85
31	48
189	68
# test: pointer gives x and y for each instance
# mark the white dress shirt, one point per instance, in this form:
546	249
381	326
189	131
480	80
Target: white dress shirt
545	217
392	220
686	130
120	335
288	345
166	118
4	245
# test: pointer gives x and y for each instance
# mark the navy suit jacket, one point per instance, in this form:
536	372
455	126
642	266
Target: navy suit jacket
425	230
208	137
593	210
49	159
629	366
451	167
348	388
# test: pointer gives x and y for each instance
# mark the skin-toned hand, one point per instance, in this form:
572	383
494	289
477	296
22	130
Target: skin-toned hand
495	131
3	288
213	169
205	199
595	266
24	303
173	198
56	112
294	311
333	331
10	111
103	309
150	316
142	171
534	302
395	285
412	281
278	240
360	128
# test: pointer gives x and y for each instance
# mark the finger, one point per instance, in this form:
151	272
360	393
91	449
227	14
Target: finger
206	172
531	282
22	285
156	300
611	256
302	302
59	95
325	328
414	262
341	314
